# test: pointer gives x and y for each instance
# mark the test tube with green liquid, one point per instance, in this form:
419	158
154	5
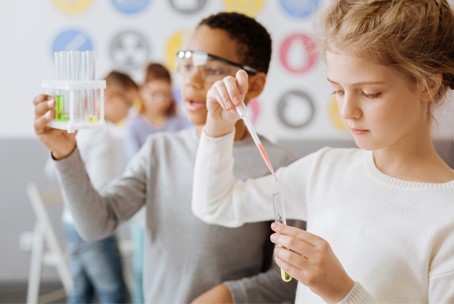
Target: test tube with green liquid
62	96
59	75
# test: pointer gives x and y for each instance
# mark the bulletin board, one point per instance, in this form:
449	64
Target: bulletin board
127	34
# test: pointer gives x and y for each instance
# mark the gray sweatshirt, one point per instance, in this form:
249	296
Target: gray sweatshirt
184	257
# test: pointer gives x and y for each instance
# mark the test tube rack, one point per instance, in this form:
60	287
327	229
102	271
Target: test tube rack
79	99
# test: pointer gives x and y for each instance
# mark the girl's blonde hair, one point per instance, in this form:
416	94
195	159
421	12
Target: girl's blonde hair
414	36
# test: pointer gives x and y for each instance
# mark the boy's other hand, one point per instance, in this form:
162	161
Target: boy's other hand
59	142
222	98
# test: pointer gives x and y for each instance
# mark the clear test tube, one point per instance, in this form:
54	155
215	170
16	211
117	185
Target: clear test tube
83	93
66	71
89	70
78	96
73	93
279	216
56	67
80	110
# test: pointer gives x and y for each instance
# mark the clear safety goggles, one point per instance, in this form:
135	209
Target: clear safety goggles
211	67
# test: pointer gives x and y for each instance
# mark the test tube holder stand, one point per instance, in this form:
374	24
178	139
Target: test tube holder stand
69	88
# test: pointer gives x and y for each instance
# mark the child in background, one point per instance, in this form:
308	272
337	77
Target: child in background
186	260
96	267
380	219
158	112
158	109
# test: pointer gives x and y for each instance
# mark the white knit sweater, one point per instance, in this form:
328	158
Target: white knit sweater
394	237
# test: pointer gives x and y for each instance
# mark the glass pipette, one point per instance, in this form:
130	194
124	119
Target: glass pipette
243	113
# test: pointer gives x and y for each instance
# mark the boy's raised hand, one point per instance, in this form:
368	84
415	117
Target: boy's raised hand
60	142
221	100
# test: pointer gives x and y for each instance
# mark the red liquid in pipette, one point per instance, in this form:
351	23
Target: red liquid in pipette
266	159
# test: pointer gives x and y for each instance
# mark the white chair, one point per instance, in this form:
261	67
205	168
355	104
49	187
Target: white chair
45	247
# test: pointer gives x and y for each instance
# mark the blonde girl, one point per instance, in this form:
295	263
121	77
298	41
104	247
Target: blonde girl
380	219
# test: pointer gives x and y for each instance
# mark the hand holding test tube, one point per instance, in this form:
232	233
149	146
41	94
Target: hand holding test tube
279	216
79	97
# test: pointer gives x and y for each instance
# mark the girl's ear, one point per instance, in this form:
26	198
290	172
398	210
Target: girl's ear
433	85
256	85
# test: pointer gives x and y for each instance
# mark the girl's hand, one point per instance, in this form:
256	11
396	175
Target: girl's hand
221	100
60	142
310	260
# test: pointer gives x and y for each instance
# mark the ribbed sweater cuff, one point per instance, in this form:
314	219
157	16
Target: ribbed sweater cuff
215	140
357	295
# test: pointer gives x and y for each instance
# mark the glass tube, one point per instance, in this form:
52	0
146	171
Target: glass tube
279	217
242	112
61	109
89	71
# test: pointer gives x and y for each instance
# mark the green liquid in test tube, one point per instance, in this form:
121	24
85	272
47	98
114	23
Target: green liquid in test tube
59	109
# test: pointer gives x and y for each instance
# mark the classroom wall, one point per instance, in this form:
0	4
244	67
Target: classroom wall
296	108
21	161
297	101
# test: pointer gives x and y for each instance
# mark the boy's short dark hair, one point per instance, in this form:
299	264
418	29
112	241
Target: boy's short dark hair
253	39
